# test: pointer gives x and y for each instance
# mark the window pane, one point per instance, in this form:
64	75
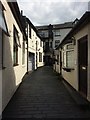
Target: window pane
15	47
40	57
57	42
0	49
2	21
70	59
57	33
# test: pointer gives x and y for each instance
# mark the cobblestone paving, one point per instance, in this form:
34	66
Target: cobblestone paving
43	95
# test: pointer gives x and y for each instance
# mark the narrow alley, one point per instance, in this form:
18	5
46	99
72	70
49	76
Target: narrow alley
43	95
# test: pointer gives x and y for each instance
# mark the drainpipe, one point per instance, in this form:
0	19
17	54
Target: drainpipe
27	48
36	54
61	61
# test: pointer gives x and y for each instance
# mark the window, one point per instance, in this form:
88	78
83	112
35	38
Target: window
57	59
69	59
29	32
3	29
23	52
40	57
57	43
50	44
57	33
44	34
40	43
2	19
16	44
1	49
46	45
68	56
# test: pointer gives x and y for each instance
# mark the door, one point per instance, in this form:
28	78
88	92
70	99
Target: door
83	64
31	62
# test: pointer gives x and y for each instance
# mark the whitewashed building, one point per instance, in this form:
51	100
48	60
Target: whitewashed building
21	50
35	46
13	50
74	56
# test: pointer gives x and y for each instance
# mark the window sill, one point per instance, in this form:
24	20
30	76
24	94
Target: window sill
68	69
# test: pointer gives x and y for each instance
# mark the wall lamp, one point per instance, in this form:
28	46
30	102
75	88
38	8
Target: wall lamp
73	40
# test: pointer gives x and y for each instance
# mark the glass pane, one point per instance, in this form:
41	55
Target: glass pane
57	43
70	59
2	21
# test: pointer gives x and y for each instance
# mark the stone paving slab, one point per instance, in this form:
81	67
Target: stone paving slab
43	95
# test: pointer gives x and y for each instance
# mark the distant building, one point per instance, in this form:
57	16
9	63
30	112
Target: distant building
35	46
52	36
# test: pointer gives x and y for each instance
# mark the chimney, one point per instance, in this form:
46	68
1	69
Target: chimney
21	12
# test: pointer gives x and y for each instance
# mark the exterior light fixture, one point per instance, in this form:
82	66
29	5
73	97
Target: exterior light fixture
73	40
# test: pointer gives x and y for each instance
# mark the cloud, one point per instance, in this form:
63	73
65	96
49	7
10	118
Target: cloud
42	12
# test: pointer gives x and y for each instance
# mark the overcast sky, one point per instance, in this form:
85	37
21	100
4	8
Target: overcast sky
44	12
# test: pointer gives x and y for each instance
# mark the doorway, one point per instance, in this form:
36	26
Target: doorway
83	65
31	62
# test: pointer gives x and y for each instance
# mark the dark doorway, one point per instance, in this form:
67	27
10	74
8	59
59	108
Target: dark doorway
48	61
31	62
83	64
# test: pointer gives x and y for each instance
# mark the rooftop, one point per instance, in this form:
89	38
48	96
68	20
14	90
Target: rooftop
56	26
